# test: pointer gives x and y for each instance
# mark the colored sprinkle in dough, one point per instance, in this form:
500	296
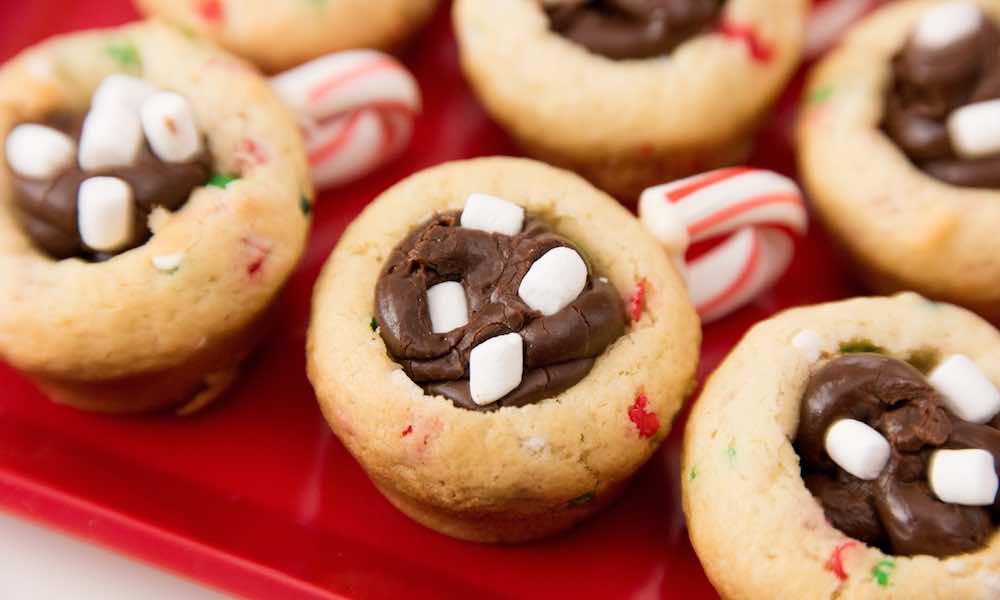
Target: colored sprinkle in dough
408	430
305	206
820	95
210	10
317	4
636	301
836	561
168	264
646	422
260	250
859	345
882	571
373	324
251	153
731	454
125	54
221	180
693	474
581	500
759	51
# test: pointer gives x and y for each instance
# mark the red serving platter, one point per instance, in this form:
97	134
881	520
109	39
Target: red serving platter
256	496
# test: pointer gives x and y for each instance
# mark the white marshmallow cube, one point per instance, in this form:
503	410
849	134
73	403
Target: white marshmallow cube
495	368
448	306
105	213
966	477
492	214
111	137
857	448
966	391
809	344
170	127
553	281
947	23
124	91
974	129
38	151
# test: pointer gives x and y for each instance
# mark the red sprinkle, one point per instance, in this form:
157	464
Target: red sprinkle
253	150
408	430
836	562
260	248
211	10
646	422
759	51
636	301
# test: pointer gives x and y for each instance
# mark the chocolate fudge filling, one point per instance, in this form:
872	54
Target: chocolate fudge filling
622	29
897	512
559	348
928	85
47	208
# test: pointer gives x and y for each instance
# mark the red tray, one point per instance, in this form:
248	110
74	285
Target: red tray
257	497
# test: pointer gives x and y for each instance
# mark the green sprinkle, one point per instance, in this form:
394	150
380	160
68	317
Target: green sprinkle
125	54
924	359
731	454
882	572
860	345
820	94
304	205
693	474
581	500
317	4
373	324
221	180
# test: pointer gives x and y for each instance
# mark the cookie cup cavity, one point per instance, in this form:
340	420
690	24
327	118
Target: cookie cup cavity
516	473
628	124
903	228
755	526
280	35
124	335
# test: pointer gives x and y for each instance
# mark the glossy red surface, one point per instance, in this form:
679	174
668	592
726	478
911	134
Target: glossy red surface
257	497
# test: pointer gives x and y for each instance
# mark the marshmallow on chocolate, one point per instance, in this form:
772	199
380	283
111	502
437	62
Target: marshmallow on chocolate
947	23
492	214
124	91
495	368
105	210
111	137
169	124
857	448
447	306
967	477
974	129
39	152
554	280
965	390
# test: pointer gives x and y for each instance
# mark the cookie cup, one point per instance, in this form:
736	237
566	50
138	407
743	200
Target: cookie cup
628	124
126	335
757	529
902	228
518	473
280	35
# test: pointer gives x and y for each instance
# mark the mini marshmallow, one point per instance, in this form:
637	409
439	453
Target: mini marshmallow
857	448
495	368
169	124
38	151
111	137
553	281
947	23
974	129
167	262
966	391
492	214
809	344
105	213
124	91
448	307
966	477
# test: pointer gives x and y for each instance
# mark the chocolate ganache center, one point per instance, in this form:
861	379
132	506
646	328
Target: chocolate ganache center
931	82
48	208
559	349
623	29
897	511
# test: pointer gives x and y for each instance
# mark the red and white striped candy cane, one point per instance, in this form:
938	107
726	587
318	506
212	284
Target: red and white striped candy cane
759	210
356	110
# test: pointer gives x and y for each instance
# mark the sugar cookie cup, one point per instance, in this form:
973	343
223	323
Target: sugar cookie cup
280	35
517	473
757	529
165	324
629	124
901	227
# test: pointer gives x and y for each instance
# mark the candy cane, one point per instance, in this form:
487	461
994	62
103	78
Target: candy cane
356	110
830	19
759	210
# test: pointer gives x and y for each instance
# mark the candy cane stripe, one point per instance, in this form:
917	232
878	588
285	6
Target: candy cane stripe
736	210
686	187
332	85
